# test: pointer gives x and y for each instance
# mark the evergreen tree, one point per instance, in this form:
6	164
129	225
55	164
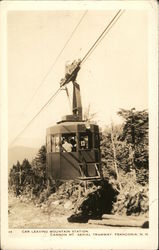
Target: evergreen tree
107	150
14	178
24	177
135	134
39	170
26	173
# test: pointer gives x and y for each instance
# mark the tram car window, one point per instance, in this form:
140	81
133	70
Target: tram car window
69	142
85	141
96	140
48	142
55	143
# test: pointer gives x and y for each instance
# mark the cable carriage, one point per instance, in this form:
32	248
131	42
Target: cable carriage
73	145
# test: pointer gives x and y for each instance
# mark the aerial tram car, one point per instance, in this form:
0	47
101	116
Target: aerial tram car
73	144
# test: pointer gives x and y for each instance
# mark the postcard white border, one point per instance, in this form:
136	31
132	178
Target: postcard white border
25	241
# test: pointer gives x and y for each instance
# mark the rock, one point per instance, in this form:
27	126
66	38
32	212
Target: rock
78	218
68	204
38	205
145	224
55	203
43	206
94	202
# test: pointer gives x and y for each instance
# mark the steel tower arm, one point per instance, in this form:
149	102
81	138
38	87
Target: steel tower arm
71	72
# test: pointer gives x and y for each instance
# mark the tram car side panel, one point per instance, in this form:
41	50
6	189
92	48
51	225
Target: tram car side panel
69	165
53	170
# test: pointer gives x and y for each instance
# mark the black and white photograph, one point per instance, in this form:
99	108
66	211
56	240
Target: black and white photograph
80	121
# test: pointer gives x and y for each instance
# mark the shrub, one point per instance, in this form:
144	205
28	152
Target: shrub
133	198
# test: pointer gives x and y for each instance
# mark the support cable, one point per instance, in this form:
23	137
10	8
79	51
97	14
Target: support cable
28	124
105	31
50	99
58	56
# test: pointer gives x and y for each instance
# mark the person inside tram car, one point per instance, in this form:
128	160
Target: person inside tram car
67	146
57	148
73	142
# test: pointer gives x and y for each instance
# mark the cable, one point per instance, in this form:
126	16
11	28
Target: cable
50	99
115	18
58	56
21	132
67	80
44	78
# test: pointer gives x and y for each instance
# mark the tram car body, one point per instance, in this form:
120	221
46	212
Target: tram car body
81	158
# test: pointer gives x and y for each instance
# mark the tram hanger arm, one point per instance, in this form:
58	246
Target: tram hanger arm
71	72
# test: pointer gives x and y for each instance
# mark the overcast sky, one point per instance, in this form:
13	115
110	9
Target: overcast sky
114	76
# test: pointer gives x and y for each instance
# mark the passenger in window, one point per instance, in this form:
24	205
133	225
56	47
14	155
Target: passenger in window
67	146
57	148
73	142
86	142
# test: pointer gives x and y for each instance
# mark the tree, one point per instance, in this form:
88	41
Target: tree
88	115
26	173
24	177
39	170
115	157
135	134
135	129
14	178
111	150
131	158
41	155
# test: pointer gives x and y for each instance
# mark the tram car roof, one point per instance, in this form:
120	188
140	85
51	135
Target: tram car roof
72	127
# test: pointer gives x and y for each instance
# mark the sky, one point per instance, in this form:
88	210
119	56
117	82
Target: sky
114	76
